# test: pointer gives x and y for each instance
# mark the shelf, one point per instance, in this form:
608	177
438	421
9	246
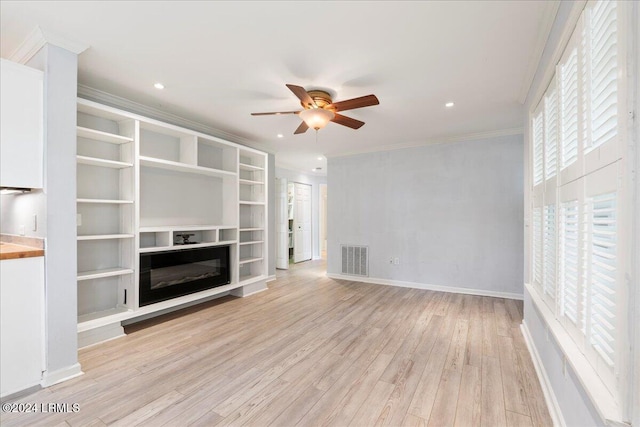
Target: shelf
102	317
249	167
255	242
108	272
105	236
251	229
102	136
182	247
249	182
247	202
160	228
105	201
183	167
93	161
248	260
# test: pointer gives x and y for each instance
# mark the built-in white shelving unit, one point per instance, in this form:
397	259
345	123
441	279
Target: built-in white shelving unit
252	215
143	185
106	212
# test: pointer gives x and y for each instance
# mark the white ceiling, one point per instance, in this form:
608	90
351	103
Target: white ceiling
220	61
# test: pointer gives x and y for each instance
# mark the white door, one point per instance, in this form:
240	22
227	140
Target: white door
302	223
282	225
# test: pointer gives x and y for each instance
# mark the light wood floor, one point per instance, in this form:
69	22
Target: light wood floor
311	351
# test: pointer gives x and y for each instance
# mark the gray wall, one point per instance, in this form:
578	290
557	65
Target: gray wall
314	181
18	209
451	213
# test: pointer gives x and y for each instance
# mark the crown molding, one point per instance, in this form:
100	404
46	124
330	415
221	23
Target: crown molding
434	141
36	41
549	17
121	103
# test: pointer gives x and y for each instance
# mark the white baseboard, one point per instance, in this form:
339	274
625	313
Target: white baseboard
440	288
271	278
64	374
547	390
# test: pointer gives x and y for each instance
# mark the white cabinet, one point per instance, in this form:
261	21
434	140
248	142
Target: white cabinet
22	323
21	125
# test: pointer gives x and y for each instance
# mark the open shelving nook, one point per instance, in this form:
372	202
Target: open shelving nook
143	186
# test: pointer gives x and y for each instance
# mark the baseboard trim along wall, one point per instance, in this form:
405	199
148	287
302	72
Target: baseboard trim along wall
547	390
51	378
428	287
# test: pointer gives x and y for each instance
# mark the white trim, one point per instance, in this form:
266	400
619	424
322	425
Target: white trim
38	38
439	288
547	390
270	278
602	400
434	141
549	17
64	374
91	94
550	70
22	393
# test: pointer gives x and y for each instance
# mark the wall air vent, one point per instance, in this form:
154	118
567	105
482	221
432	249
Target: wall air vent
355	260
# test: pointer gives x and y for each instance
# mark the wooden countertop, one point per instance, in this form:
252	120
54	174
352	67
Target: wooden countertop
13	251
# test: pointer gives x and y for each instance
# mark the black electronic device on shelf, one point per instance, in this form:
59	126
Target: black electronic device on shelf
185	239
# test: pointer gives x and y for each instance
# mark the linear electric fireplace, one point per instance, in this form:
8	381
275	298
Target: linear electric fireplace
171	274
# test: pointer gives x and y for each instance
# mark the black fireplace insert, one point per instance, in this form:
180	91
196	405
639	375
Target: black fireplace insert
170	274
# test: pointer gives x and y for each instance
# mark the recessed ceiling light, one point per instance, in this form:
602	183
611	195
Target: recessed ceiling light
449	104
320	158
280	135
158	85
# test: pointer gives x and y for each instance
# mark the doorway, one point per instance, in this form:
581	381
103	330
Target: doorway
300	218
323	221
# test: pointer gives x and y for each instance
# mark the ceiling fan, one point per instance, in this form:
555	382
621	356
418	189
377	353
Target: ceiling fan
319	109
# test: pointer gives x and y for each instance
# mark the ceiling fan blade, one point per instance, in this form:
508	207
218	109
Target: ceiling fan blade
301	129
275	113
301	94
347	121
350	104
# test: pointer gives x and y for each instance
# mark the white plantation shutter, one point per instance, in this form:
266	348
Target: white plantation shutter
549	251
569	109
602	246
538	149
572	295
603	73
537	246
550	132
577	131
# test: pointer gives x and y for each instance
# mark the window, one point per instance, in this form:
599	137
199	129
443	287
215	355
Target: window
538	153
572	299
602	67
576	242
550	132
537	246
569	109
549	252
601	249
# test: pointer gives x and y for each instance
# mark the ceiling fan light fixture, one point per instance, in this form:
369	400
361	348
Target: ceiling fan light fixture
316	118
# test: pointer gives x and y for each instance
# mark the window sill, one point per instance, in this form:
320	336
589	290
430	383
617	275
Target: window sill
602	400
